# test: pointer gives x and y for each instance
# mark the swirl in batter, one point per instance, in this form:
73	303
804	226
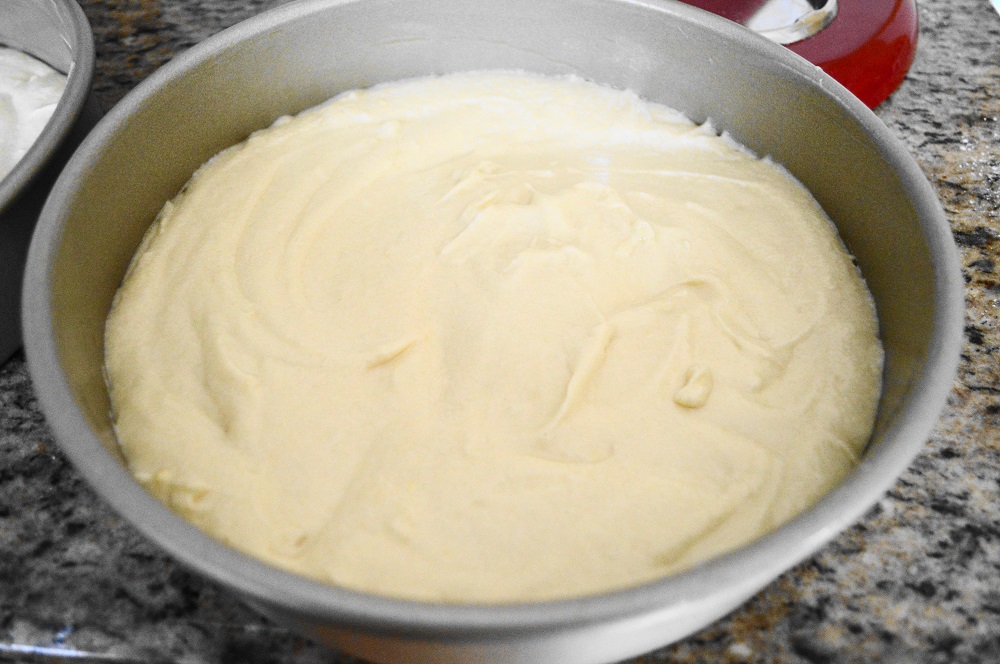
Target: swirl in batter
491	338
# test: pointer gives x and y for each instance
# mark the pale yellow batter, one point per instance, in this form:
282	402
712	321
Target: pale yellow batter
491	338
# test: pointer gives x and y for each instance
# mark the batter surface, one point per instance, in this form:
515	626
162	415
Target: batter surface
491	338
29	93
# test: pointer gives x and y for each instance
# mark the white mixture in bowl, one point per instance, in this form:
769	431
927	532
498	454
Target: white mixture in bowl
491	338
29	93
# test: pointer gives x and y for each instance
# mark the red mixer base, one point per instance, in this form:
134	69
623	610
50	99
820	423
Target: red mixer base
868	47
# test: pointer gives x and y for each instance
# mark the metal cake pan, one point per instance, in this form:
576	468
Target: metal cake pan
57	33
293	57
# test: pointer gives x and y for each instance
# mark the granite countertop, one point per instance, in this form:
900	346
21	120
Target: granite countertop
917	580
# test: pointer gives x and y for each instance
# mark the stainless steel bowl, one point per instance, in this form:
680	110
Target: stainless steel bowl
56	32
300	54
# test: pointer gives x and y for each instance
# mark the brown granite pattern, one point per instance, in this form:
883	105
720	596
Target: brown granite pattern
918	580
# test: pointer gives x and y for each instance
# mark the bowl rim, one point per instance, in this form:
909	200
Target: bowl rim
750	567
67	111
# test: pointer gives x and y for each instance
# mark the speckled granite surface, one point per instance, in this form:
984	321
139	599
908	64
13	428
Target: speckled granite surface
918	580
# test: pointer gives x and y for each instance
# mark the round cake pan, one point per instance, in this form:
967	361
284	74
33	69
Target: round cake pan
300	54
57	33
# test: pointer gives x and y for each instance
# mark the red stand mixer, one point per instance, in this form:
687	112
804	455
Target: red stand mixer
867	45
